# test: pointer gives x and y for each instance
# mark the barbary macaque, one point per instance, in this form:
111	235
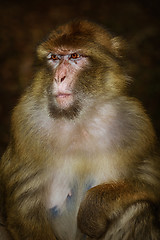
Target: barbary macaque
82	162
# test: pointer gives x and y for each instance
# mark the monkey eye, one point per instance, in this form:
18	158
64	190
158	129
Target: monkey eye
53	57
75	56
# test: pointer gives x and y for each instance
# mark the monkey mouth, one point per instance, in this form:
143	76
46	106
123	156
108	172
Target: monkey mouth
64	100
63	95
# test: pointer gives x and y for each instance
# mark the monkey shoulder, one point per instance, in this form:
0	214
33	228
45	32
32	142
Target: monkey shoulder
132	114
132	123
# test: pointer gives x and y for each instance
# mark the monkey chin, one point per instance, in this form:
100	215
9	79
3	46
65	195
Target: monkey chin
64	101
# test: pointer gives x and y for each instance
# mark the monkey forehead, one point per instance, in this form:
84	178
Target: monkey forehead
79	33
87	37
66	45
63	51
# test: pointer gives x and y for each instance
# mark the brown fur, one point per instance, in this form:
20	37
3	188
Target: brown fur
103	141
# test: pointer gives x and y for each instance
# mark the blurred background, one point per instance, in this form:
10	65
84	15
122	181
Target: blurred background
24	24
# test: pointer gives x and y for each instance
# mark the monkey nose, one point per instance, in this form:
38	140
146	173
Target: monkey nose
60	79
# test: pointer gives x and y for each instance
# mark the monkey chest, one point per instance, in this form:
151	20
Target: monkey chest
64	206
68	187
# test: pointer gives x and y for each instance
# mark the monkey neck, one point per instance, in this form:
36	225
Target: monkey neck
70	113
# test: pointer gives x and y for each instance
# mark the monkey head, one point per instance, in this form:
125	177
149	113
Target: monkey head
79	63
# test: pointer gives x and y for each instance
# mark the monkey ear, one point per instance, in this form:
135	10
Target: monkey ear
118	46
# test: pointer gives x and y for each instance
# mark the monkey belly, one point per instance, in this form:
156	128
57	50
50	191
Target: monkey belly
65	215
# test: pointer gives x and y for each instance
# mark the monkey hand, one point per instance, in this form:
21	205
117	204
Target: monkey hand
104	203
93	216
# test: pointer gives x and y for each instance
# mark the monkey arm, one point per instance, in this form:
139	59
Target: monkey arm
105	203
138	222
25	214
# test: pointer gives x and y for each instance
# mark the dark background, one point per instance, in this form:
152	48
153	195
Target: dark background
24	24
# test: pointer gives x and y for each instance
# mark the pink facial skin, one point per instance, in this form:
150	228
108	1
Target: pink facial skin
66	68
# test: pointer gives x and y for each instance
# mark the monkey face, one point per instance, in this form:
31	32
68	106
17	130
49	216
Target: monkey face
63	96
65	73
81	64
